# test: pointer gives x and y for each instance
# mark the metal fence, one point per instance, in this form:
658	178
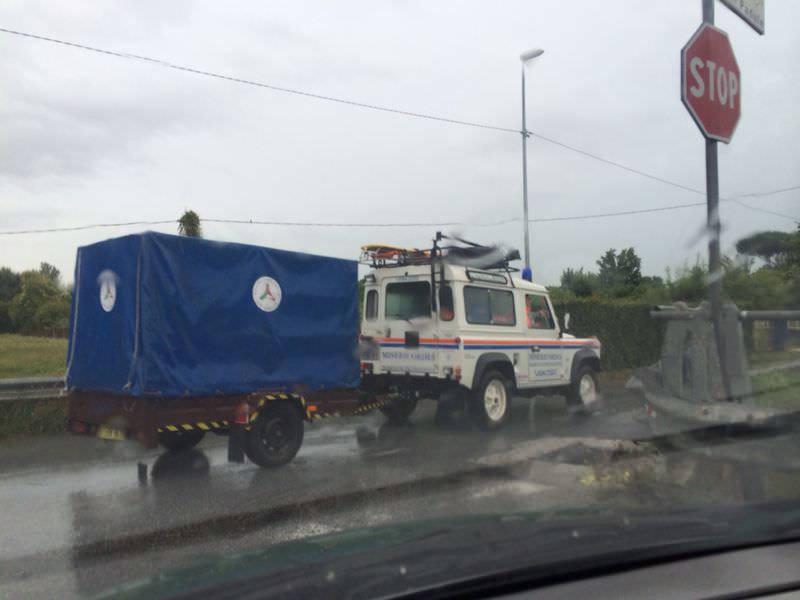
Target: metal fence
31	388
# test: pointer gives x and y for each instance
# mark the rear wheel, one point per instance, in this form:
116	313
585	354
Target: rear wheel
583	393
400	409
275	436
490	403
174	441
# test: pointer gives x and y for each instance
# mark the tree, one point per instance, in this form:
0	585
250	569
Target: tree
629	267
189	224
579	283
6	324
689	284
608	274
51	272
623	269
773	247
53	316
10	286
36	290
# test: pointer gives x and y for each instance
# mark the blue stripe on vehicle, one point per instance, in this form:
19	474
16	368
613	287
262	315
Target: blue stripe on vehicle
522	346
402	345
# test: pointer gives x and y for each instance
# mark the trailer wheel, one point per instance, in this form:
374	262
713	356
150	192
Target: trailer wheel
400	409
275	436
175	441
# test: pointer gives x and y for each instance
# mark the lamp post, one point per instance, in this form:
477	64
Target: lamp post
524	58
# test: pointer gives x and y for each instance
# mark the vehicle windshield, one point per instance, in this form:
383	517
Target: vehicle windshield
373	298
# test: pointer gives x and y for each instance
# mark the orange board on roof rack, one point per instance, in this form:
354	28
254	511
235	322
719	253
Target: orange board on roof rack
383	251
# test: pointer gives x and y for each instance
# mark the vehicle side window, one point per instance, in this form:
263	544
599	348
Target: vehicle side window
489	307
371	312
538	312
408	300
446	311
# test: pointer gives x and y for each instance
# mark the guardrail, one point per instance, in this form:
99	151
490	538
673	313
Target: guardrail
31	388
670	313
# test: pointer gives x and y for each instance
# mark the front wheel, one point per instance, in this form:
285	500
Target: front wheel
175	441
583	393
275	436
490	403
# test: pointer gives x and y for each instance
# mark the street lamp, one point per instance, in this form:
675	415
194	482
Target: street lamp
526	57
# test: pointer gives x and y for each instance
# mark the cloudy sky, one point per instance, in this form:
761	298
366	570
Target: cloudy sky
91	138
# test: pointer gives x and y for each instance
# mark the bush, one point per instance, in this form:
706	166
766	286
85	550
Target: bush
52	317
33	417
630	337
6	326
37	291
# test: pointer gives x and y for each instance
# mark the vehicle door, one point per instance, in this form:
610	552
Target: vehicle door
447	331
369	348
408	343
546	356
491	326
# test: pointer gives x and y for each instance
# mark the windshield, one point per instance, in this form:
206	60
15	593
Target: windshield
355	299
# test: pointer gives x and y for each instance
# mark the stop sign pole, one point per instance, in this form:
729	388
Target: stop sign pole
713	224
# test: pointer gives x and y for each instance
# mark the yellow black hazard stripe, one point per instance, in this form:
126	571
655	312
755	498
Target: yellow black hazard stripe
361	409
202	426
280	396
371	406
310	415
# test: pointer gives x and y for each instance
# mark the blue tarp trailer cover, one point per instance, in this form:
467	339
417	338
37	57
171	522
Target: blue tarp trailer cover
164	315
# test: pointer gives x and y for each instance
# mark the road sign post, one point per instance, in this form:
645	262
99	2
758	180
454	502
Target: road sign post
711	91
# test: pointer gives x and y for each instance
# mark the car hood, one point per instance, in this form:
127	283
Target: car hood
393	560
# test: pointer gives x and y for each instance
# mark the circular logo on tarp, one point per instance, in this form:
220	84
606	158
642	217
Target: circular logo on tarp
267	294
107	280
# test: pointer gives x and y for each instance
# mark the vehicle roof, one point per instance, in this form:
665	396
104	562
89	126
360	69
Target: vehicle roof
453	273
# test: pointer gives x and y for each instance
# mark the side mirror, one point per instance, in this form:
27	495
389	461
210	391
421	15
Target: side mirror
566	322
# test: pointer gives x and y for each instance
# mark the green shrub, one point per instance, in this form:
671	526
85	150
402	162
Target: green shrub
36	291
5	319
33	417
630	337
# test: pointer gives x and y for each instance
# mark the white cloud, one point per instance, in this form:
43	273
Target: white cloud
92	138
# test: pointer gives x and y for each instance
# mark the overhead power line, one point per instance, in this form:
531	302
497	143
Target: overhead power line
377	225
618	214
772	193
401	112
260	84
618	165
384	224
761	210
90	226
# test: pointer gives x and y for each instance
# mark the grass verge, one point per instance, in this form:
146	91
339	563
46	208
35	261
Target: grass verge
33	417
29	356
778	389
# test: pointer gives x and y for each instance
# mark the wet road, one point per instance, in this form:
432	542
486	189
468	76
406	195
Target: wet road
76	520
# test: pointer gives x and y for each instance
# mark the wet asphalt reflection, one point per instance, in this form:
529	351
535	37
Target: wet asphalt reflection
76	516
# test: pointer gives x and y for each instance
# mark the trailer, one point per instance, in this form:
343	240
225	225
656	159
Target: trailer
174	338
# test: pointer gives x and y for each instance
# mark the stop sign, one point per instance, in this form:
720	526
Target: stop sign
711	85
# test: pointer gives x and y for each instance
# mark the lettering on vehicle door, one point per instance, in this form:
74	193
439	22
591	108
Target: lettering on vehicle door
413	361
544	365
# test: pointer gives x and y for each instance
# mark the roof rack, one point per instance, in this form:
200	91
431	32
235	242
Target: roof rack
465	253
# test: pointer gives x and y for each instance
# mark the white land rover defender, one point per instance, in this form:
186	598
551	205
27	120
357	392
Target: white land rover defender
453	322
